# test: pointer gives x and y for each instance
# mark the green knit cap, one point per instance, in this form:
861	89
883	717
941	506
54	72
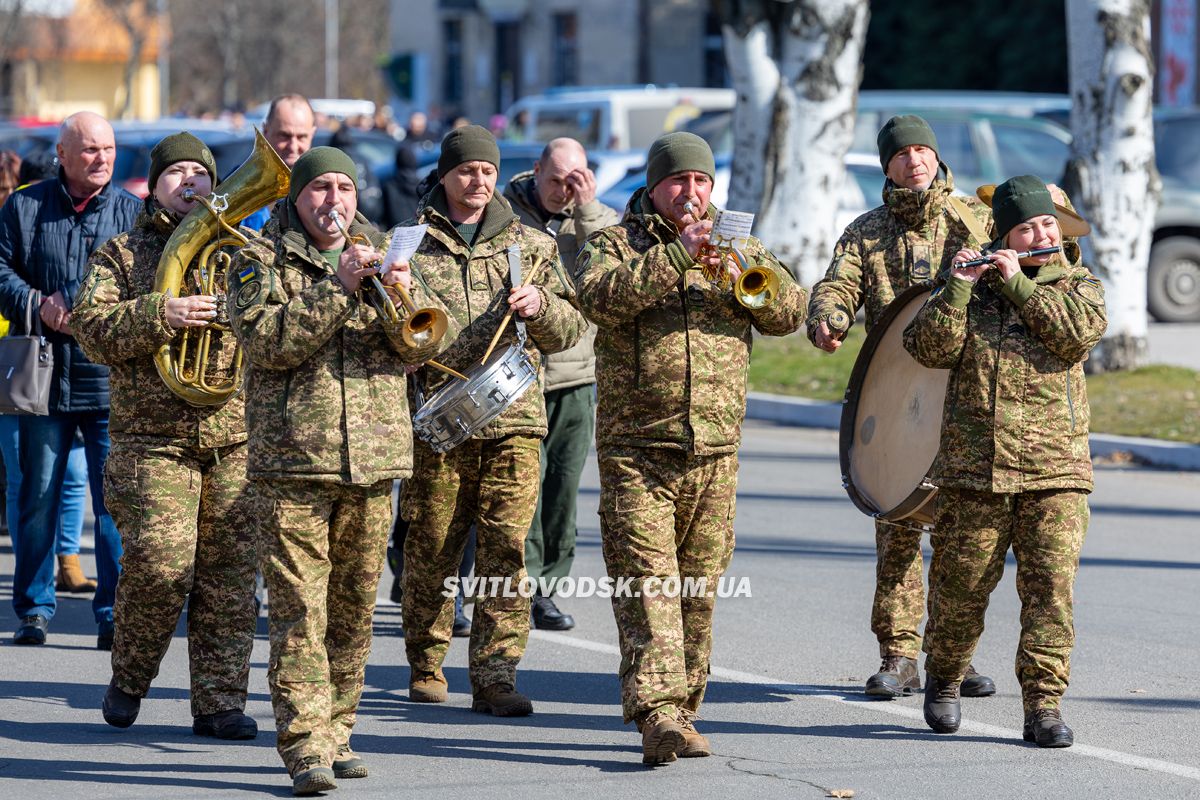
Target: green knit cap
679	151
177	147
1018	199
318	161
901	132
468	143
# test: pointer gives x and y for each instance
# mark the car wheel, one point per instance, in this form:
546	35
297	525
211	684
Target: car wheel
1173	281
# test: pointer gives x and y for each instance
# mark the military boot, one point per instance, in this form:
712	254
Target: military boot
942	711
428	687
897	677
120	709
1046	727
71	577
695	744
348	764
502	700
976	685
312	777
229	725
662	735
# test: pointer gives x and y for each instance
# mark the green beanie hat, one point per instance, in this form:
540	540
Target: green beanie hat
177	147
679	151
1016	200
318	161
468	143
901	132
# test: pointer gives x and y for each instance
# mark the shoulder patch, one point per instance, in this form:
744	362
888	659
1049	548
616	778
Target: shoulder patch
1091	290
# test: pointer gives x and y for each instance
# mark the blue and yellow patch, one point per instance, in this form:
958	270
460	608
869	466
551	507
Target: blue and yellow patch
247	275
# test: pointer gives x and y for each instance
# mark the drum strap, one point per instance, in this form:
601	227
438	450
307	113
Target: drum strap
970	220
514	277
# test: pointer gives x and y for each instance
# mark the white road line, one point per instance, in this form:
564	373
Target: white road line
1114	756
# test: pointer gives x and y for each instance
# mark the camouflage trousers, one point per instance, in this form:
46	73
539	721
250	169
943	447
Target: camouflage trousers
188	525
665	513
493	484
1045	530
899	600
323	552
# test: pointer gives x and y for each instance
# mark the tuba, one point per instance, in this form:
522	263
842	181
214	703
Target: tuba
197	243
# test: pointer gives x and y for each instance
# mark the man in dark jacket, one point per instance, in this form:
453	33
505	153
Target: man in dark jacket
47	232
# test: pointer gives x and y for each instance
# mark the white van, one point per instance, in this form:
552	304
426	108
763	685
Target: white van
611	118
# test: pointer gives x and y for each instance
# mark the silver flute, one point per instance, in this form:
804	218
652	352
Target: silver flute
987	259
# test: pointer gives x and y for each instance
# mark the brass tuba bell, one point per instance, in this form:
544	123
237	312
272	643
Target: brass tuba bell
183	364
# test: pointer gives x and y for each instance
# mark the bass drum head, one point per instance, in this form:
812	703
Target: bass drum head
892	420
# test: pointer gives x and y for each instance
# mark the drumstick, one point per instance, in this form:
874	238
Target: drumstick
451	372
507	317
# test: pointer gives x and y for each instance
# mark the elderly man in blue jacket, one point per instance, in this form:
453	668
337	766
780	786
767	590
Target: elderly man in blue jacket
47	232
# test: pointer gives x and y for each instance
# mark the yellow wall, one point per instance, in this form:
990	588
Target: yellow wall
55	89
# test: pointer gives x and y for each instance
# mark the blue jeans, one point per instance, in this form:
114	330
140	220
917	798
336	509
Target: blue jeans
45	448
74	493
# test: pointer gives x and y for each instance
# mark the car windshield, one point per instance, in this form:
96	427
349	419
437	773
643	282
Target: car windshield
1177	148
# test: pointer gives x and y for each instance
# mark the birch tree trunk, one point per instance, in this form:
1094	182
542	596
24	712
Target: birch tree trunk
1111	176
796	66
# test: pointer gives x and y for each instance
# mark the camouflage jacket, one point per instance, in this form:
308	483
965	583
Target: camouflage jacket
908	240
473	283
1016	414
121	322
326	394
673	352
575	366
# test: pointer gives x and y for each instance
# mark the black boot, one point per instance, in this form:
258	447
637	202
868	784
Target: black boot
547	617
1046	727
231	724
897	677
119	709
942	712
976	685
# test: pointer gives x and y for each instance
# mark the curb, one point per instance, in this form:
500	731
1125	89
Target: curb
804	413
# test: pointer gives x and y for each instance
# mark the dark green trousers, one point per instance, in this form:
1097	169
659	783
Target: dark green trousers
571	418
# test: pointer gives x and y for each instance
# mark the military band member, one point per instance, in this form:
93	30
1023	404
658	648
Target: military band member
491	480
906	241
672	354
1014	468
175	480
327	412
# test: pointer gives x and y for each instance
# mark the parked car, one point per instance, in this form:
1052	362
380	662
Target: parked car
1173	279
611	118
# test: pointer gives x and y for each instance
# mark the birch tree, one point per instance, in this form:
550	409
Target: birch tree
796	66
1111	176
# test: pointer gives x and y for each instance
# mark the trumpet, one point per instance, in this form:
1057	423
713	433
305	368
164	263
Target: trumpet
756	287
422	326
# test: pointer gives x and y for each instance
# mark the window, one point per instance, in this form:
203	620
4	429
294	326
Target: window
957	151
1028	151
581	124
452	65
716	73
565	50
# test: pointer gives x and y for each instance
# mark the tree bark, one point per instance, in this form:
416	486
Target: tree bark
1111	176
796	66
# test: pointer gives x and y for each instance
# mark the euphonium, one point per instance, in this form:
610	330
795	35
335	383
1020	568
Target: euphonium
197	244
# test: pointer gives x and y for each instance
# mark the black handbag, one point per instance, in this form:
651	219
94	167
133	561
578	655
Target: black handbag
26	366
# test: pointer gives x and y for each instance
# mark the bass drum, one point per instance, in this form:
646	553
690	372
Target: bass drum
892	421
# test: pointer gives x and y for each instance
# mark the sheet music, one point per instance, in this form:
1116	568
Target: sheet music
404	244
731	229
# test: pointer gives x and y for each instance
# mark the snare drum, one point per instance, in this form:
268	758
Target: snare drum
460	410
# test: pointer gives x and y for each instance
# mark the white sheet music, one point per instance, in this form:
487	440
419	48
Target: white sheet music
404	244
731	229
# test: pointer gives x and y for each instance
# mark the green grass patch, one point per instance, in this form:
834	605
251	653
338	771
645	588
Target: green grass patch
1157	401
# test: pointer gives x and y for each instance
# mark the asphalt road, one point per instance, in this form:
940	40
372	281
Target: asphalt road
784	710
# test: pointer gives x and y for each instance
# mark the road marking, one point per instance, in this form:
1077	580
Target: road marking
1114	756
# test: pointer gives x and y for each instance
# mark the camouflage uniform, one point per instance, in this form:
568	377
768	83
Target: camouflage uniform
175	482
906	241
671	361
569	389
1013	467
327	408
490	480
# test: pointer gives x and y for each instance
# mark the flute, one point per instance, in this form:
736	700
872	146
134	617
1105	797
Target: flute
987	259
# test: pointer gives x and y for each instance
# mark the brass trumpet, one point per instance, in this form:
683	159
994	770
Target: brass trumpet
756	287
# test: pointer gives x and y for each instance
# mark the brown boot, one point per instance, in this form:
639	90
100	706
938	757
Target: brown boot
71	577
662	736
502	700
428	687
695	744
